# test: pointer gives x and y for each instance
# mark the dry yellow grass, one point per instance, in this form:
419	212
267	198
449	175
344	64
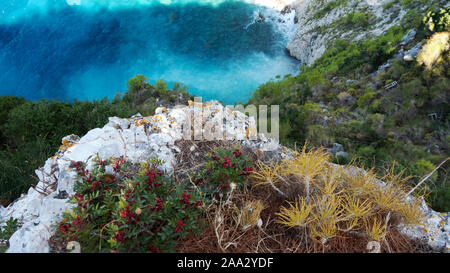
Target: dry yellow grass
267	174
327	214
359	183
411	212
387	198
307	166
296	215
375	229
328	183
341	204
339	199
356	209
249	215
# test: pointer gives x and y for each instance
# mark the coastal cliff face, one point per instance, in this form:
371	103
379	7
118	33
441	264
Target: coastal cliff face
137	139
321	22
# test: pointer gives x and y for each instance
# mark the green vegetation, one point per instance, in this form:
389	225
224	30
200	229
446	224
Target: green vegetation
224	170
31	131
136	209
355	20
388	5
341	99
139	208
6	231
329	7
437	20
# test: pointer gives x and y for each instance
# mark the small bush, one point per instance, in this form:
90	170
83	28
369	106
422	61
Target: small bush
441	197
406	3
6	231
133	209
437	21
388	5
223	170
425	167
360	19
365	99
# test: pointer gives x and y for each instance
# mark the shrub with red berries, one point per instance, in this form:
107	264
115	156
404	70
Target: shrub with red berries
223	167
145	211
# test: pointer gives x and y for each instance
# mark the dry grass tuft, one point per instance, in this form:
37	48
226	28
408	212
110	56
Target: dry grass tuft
375	229
296	215
249	214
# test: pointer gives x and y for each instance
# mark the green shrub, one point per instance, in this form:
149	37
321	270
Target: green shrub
136	83
318	135
437	21
331	5
366	151
388	5
52	120
360	19
134	209
223	170
7	103
425	167
17	168
354	20
365	99
406	3
161	87
441	198
376	106
6	231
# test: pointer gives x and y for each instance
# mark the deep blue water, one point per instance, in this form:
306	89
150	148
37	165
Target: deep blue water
82	52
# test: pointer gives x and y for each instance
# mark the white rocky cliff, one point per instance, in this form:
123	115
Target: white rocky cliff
319	23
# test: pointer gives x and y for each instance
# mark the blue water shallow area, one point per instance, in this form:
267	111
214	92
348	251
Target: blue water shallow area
72	51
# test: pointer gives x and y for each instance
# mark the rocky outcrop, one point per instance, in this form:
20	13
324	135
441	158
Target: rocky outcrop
319	24
435	230
138	139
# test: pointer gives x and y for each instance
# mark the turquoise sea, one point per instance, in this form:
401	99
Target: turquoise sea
88	49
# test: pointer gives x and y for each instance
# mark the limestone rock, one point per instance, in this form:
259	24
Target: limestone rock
2	212
409	37
337	148
411	54
315	33
435	230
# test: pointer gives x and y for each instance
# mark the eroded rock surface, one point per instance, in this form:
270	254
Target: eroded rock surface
317	28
